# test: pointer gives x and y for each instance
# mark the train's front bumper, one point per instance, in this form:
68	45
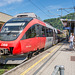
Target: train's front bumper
10	47
6	47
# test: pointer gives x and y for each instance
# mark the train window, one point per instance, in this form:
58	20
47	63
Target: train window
38	26
43	31
38	30
50	32
31	32
47	32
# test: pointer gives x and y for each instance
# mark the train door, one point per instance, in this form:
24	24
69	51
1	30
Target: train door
31	41
49	37
40	30
38	35
54	37
43	36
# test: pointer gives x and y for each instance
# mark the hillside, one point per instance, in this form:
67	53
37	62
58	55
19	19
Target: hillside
56	21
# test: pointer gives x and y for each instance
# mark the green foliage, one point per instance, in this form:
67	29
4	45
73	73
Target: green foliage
2	71
5	68
56	21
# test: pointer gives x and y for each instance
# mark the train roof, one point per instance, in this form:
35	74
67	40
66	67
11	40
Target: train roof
33	15
48	25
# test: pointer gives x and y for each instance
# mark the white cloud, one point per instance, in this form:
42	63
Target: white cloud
12	1
5	2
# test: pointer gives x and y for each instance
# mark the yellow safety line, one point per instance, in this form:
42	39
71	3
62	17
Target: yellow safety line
37	62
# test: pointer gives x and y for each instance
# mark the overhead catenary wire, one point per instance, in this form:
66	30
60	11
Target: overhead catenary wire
69	8
53	13
46	9
49	10
65	9
39	9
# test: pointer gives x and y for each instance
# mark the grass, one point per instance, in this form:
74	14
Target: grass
5	68
2	71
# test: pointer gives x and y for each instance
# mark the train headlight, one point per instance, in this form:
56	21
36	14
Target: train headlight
4	51
4	44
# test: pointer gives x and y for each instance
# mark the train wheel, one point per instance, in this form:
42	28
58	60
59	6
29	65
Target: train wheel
33	54
42	50
37	52
30	55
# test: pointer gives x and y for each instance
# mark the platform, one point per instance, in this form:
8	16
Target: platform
44	63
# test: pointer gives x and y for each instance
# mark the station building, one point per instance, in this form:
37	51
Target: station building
4	18
69	25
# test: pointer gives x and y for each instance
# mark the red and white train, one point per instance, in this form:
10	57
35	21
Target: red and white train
24	34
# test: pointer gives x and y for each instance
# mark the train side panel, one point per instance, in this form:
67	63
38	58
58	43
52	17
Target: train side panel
32	44
49	42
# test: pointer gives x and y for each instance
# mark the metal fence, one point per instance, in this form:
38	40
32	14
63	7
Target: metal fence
58	70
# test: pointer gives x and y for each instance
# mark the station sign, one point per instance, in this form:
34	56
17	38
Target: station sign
65	28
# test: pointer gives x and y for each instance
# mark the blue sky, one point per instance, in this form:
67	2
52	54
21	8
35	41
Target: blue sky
49	7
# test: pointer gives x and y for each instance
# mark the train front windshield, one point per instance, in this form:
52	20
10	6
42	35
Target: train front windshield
13	28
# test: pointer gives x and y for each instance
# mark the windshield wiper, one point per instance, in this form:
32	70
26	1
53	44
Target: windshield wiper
9	33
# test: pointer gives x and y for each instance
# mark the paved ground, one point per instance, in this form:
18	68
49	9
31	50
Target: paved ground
44	63
62	57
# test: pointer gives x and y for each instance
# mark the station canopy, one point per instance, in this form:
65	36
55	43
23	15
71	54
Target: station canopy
68	24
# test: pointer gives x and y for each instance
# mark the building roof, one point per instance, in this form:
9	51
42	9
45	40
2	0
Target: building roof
4	17
67	22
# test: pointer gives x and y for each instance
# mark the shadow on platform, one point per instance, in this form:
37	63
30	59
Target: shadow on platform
67	49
